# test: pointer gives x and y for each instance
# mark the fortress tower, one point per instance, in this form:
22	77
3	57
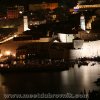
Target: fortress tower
25	18
82	22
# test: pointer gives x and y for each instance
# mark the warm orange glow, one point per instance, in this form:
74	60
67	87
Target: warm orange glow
53	6
50	6
1	55
44	5
14	55
87	6
7	53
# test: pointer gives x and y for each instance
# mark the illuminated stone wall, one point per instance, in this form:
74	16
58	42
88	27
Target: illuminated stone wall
89	49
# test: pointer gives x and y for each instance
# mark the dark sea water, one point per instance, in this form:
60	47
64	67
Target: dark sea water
72	81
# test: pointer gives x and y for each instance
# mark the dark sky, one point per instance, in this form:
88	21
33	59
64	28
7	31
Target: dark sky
24	1
6	3
9	2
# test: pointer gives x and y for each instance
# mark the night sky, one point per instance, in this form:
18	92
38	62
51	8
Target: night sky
5	3
25	2
9	2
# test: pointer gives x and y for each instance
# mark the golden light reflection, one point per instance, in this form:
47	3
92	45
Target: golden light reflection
3	89
89	74
85	76
64	76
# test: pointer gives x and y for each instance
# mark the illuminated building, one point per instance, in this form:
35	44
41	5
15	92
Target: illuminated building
36	52
25	18
66	38
44	5
12	13
79	7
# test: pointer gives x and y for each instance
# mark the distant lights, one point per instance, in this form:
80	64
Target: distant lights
31	13
15	35
9	38
20	12
8	53
78	6
76	10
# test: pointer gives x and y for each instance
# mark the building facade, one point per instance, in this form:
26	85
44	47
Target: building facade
44	5
12	13
42	51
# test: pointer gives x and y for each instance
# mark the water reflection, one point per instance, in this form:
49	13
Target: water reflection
73	80
78	79
3	88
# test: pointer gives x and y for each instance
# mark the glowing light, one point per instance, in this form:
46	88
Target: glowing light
9	38
76	7
75	10
20	12
14	62
63	37
1	55
56	41
15	35
1	65
14	55
7	53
